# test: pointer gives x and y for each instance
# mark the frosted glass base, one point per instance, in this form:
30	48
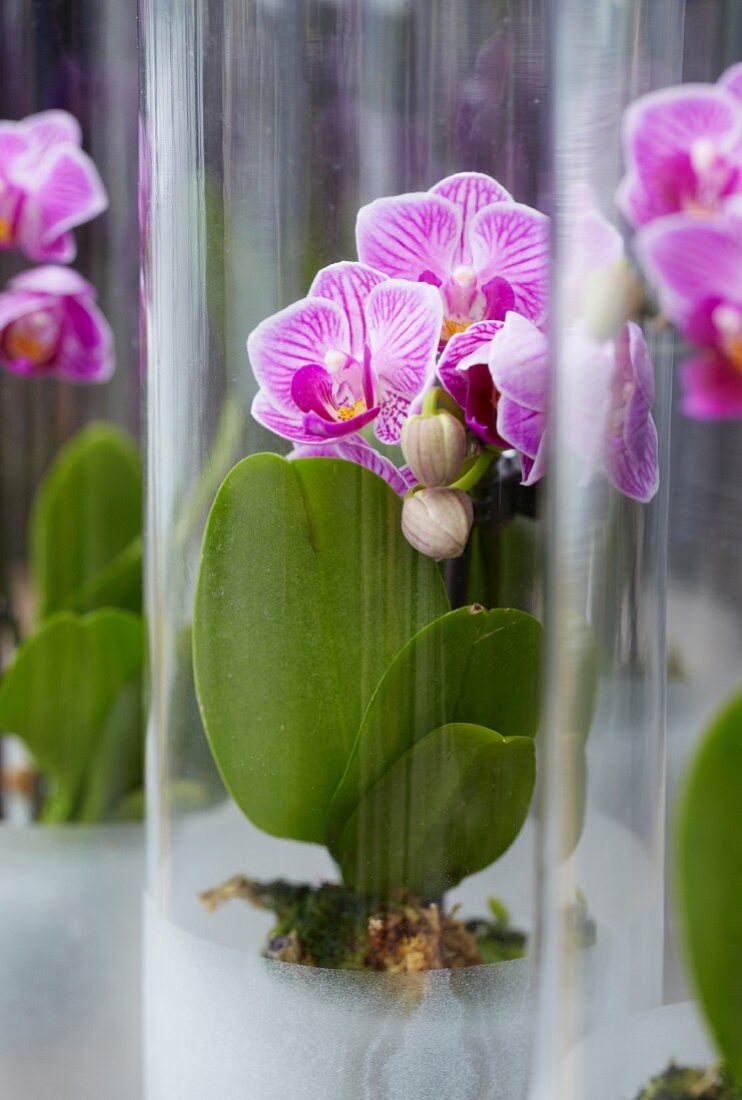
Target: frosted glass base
70	962
616	1066
225	1023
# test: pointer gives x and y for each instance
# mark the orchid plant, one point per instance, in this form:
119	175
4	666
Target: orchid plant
349	699
72	692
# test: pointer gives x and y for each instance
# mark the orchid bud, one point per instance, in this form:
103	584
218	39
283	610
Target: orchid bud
611	296
437	522
434	448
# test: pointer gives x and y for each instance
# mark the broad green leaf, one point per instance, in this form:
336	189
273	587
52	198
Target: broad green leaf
306	590
447	808
471	665
118	584
86	514
709	853
66	695
117	766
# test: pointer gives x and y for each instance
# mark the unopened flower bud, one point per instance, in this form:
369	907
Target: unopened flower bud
437	522
611	296
434	448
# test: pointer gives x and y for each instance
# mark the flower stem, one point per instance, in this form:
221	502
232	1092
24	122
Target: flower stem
475	473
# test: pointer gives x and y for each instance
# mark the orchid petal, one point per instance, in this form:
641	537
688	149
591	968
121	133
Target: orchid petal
348	285
404	323
731	81
641	205
87	353
692	261
518	362
663	124
408	235
393	411
521	427
354	449
15	304
52	279
67	192
300	334
712	389
534	468
635	471
461	352
53	127
470	192
278	421
13	144
512	241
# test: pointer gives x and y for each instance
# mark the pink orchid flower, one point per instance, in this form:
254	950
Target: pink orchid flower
50	325
683	150
357	350
697	267
48	185
486	253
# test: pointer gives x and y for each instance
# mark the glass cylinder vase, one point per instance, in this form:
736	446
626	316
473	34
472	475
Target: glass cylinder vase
71	636
344	568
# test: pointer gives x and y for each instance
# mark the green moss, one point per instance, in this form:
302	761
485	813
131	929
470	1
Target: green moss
691	1083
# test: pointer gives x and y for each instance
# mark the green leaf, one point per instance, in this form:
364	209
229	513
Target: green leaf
471	665
118	584
709	853
71	696
306	590
86	515
447	808
116	768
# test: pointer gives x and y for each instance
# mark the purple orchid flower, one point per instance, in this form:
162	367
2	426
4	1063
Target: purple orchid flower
50	325
697	267
464	372
355	449
683	150
48	185
355	351
486	253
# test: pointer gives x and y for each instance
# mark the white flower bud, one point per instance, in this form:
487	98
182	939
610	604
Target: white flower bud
437	522
434	448
611	296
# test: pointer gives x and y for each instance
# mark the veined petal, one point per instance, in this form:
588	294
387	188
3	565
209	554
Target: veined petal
407	236
13	144
52	128
69	191
355	449
298	335
632	464
404	324
512	241
519	363
393	411
664	123
348	285
632	357
712	389
470	192
519	426
461	352
691	261
280	422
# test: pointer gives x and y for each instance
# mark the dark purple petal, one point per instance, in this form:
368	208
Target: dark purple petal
712	388
404	324
480	408
312	390
500	298
462	352
511	241
305	332
470	192
409	235
348	285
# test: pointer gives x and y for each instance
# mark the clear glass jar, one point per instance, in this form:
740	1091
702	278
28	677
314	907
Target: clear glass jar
71	634
364	818
626	147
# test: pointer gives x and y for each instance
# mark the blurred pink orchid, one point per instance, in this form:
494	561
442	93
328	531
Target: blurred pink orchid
683	150
486	253
696	266
357	350
50	325
48	185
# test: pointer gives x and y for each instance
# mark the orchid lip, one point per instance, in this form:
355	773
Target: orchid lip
331	394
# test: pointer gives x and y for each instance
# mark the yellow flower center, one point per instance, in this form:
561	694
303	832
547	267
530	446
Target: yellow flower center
733	348
32	338
452	328
349	411
6	231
